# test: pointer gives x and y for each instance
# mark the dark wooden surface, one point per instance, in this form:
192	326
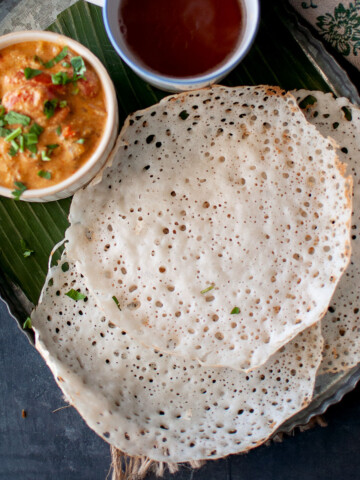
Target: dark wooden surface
57	445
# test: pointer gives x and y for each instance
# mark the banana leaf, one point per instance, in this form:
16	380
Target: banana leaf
282	55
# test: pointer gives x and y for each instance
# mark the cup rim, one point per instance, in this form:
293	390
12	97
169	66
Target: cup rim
214	75
110	103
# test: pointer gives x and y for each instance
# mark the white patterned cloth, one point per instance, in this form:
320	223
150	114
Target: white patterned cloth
338	23
29	14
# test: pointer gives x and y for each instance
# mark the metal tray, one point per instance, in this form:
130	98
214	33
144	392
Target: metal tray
330	388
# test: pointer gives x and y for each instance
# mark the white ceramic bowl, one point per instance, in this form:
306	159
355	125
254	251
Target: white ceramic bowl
82	176
251	12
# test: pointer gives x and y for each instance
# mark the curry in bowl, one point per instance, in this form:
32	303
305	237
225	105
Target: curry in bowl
52	114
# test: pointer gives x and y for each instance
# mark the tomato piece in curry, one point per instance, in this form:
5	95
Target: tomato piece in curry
52	114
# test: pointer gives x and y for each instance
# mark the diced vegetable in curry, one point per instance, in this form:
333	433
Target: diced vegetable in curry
52	114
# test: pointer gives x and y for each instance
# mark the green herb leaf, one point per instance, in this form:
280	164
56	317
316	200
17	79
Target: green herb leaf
13	134
60	78
116	302
66	64
36	129
44	156
62	103
2	110
32	149
75	295
14	117
30	139
81	141
57	59
309	100
20	189
49	107
44	174
52	146
26	251
21	143
27	324
4	132
183	115
235	311
207	289
12	151
15	146
31	73
78	65
58	131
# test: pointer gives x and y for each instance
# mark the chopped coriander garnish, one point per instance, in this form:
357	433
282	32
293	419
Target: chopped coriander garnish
44	156
62	103
14	117
13	134
60	78
31	73
78	65
31	139
27	324
2	110
4	132
21	143
56	59
49	107
235	310
183	115
26	251
81	141
12	151
66	64
14	145
116	302
44	174
75	295
20	189
32	149
207	289
58	131
52	146
36	129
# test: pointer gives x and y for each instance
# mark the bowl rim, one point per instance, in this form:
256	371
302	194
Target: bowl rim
110	104
220	72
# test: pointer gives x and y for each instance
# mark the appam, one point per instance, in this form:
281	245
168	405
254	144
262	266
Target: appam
338	118
164	407
220	229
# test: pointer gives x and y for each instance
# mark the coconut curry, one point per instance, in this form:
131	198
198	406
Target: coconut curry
52	114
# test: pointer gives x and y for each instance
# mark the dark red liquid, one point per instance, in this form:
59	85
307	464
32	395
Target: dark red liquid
181	38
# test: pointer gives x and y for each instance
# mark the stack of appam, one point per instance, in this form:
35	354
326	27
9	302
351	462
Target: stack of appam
205	256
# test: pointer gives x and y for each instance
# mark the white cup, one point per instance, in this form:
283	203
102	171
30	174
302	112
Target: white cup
251	14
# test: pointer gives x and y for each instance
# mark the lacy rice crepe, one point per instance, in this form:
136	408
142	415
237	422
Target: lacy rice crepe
164	407
221	228
340	119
